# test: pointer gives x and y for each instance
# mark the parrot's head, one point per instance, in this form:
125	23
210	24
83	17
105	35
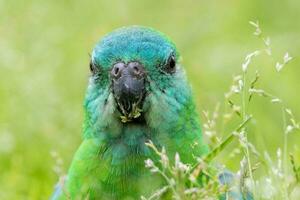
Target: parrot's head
136	78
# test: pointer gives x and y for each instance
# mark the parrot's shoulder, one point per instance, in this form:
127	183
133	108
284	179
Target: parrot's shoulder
236	190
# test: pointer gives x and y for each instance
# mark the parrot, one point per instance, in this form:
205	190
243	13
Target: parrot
137	92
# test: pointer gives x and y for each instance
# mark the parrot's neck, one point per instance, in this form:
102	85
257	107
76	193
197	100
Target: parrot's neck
178	132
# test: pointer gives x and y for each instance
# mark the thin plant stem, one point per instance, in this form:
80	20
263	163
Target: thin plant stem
285	134
244	115
177	196
221	146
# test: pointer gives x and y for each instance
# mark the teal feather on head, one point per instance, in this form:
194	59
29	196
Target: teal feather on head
137	92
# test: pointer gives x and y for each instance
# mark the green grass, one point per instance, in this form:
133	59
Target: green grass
44	48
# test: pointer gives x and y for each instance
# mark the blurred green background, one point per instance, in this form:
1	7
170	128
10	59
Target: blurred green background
44	47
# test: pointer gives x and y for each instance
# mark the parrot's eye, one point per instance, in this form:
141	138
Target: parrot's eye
170	66
93	68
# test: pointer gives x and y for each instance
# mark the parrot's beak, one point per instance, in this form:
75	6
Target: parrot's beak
128	84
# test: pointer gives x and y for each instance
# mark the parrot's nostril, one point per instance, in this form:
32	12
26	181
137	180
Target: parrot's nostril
136	69
117	70
133	69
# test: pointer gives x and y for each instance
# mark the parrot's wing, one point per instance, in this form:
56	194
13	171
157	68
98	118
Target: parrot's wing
58	189
235	189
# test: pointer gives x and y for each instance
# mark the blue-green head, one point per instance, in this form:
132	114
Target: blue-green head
136	78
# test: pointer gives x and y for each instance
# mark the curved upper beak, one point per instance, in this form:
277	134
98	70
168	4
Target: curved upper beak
128	84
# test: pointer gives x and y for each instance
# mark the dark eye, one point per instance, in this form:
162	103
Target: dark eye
93	68
170	66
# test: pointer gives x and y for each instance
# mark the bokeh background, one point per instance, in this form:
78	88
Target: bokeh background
44	47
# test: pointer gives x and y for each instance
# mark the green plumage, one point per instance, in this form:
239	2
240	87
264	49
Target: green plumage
109	163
